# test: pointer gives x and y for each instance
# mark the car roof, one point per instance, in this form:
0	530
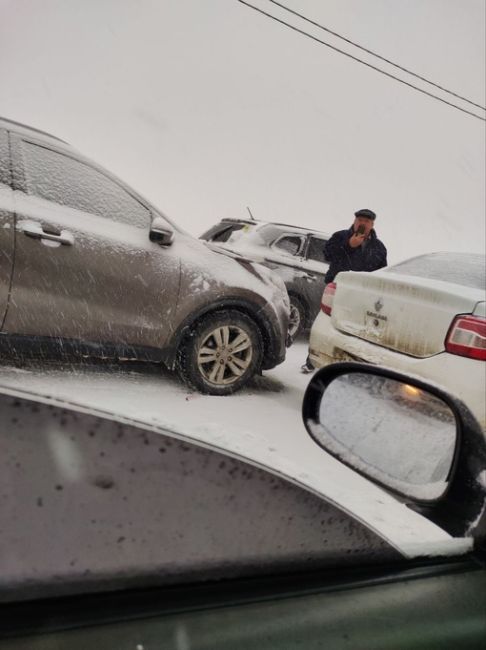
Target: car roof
286	226
57	143
19	127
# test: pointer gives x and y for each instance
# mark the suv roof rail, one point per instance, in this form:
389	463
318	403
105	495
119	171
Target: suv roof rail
288	225
30	128
233	220
272	223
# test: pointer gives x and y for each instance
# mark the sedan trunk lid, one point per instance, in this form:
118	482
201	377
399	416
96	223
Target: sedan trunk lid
407	314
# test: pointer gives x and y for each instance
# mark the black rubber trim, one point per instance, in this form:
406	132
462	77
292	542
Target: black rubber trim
463	501
49	615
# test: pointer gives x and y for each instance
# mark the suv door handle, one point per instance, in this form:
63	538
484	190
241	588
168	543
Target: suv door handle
35	230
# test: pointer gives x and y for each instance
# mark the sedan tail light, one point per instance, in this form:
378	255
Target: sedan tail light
467	337
327	298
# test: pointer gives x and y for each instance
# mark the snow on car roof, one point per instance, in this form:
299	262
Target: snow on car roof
287	226
6	123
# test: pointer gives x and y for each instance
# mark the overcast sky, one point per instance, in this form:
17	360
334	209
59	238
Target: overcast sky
205	107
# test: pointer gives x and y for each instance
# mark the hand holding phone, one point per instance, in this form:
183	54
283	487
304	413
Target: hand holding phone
357	237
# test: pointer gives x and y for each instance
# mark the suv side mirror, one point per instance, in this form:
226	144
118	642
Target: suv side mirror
404	434
161	232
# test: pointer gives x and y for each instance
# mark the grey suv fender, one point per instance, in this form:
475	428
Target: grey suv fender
272	352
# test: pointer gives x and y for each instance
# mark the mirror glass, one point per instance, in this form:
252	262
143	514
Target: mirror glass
394	432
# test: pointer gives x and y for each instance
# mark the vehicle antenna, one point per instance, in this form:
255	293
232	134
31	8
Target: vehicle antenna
251	216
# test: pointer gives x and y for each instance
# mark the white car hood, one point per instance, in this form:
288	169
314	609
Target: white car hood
410	533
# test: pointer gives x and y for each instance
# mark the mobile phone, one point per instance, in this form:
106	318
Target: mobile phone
361	230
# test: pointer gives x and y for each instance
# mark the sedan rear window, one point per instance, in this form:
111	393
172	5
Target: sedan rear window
465	269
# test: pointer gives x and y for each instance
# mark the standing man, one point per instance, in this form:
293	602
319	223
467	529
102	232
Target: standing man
355	249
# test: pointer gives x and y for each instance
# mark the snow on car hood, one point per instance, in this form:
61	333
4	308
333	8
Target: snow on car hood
410	533
211	263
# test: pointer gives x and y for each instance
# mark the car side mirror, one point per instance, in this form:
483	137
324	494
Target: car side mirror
160	232
405	435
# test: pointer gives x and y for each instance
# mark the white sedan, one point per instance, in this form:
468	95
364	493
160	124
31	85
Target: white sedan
426	316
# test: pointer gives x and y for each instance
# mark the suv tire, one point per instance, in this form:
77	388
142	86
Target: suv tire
221	353
297	317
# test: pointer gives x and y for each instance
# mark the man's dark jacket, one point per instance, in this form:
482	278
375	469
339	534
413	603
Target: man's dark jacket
370	256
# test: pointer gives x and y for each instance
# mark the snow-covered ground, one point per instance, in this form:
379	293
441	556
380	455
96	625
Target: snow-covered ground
270	409
262	422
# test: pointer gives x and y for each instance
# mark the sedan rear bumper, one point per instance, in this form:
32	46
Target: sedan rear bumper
462	377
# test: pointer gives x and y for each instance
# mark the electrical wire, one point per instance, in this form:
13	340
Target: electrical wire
378	56
354	58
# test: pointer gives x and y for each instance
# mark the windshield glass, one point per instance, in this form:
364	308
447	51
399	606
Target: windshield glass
468	270
219	112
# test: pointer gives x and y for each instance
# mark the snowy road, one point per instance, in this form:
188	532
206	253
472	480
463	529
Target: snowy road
269	409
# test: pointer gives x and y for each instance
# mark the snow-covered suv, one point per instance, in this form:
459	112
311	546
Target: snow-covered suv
88	266
296	254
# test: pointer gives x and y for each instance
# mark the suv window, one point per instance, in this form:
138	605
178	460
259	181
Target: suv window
315	250
4	158
289	244
66	181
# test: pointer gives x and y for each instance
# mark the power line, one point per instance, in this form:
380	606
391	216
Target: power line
378	56
369	65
